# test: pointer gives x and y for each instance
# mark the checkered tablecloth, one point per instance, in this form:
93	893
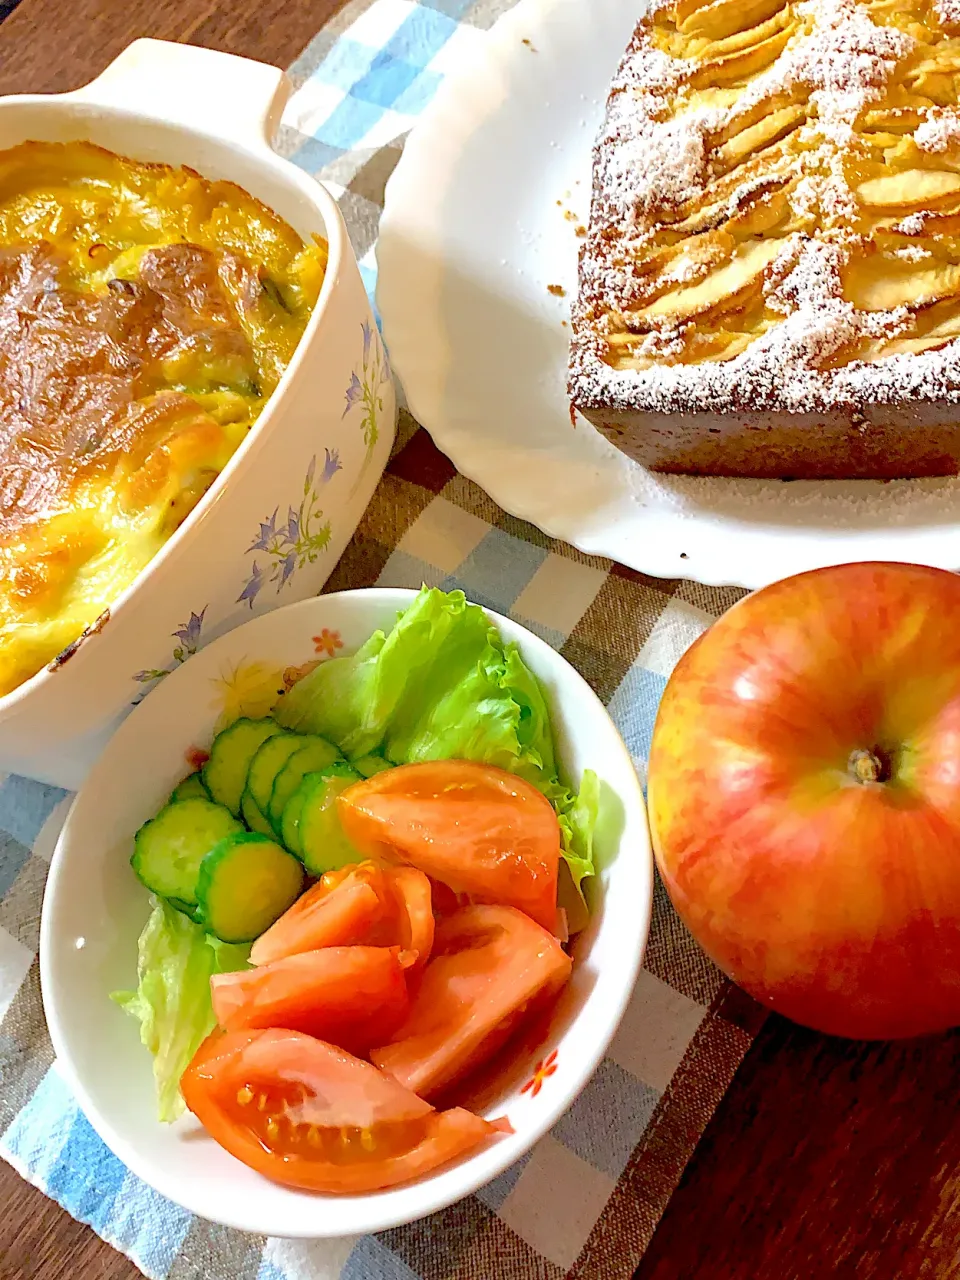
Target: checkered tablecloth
586	1200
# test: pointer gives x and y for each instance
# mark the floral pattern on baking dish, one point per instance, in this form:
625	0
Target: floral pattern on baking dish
366	387
284	546
188	639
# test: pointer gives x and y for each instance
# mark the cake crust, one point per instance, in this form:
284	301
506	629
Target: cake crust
770	282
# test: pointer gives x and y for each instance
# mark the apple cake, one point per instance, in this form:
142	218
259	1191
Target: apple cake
770	282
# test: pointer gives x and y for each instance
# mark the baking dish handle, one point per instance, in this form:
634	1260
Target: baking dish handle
233	98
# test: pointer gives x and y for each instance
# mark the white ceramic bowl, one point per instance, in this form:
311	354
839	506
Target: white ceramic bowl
216	113
94	909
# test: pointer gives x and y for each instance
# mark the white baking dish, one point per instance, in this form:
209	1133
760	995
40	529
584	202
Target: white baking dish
243	550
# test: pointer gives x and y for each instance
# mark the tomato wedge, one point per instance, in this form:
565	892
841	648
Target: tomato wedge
364	905
306	1114
446	902
340	909
491	966
343	994
480	830
411	923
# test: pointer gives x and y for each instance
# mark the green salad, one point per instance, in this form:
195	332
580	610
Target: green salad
440	685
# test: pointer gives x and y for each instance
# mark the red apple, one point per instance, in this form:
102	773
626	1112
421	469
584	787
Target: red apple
804	796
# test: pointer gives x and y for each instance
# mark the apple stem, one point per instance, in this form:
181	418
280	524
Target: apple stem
867	766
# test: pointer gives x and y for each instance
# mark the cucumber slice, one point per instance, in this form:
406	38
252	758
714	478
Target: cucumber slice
252	815
290	822
323	846
187	908
246	883
271	756
225	773
192	785
168	850
367	766
315	753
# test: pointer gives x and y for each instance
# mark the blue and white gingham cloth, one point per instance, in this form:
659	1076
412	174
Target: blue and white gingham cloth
367	92
582	1203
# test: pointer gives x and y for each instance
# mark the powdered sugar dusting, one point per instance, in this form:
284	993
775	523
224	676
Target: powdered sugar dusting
847	59
671	158
940	130
911	253
654	159
948	11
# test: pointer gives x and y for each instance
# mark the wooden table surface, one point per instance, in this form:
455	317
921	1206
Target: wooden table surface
826	1158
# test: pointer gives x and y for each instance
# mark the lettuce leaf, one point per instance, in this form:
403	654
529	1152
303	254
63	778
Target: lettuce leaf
533	730
440	686
578	815
341	700
386	684
466	716
172	1000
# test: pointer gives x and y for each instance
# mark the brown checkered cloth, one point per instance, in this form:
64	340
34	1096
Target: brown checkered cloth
586	1201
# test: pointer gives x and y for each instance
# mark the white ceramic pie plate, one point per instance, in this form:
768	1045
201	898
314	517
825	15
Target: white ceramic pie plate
94	909
472	235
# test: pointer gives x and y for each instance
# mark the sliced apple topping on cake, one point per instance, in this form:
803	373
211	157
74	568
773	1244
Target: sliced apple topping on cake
777	196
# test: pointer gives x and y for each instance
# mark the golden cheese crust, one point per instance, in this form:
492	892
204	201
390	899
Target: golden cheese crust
145	317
